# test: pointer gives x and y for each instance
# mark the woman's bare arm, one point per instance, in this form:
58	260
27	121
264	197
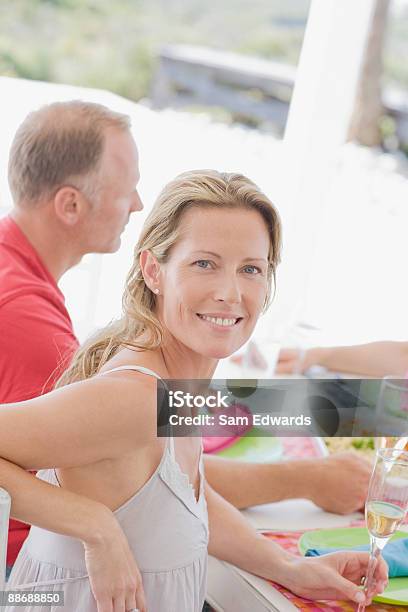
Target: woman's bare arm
373	359
334	576
113	574
79	424
39	503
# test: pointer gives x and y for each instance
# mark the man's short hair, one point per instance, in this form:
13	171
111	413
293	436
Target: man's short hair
61	143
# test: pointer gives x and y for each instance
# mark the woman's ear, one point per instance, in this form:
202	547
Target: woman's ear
151	271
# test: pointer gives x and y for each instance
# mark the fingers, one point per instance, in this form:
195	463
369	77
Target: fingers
290	360
118	605
381	568
122	601
131	602
380	581
356	575
104	605
287	354
136	599
285	366
141	600
349	590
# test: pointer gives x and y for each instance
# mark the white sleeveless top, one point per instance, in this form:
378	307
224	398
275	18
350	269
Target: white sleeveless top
167	531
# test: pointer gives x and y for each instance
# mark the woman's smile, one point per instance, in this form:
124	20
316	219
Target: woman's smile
220	321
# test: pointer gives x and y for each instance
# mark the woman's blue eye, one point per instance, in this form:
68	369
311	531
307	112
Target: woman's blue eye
203	263
252	269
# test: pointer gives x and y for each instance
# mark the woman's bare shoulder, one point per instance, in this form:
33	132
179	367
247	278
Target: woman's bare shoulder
127	388
101	417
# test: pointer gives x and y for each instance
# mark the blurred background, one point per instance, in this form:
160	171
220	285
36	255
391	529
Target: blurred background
309	98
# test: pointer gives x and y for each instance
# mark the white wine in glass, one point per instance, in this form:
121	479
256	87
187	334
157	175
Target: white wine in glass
383	518
386	505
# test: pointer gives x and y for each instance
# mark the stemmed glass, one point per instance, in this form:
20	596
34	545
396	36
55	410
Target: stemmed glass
386	505
392	413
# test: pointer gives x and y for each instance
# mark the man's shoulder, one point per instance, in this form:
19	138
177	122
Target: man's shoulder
30	309
17	279
14	285
21	297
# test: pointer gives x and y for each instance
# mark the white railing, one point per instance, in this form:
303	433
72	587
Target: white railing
5	503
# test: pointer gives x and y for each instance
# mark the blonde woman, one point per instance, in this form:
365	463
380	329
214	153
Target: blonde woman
123	519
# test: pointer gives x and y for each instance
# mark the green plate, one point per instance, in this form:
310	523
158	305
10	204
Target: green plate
254	449
397	591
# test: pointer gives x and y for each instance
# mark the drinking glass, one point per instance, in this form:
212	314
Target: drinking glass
386	505
392	413
397	442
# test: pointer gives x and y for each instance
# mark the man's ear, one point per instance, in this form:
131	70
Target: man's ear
151	271
68	204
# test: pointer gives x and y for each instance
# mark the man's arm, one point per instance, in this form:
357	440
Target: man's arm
249	484
373	359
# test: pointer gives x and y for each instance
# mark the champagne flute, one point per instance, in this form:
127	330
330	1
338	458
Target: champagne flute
392	413
397	442
386	505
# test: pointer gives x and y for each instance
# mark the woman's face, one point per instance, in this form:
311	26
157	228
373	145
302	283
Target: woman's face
214	285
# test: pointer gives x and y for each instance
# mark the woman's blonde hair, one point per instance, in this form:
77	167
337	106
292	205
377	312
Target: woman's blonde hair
138	327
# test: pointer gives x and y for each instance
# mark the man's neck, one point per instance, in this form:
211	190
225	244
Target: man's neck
48	240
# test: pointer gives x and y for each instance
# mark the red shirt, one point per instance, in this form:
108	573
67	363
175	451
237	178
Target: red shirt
36	334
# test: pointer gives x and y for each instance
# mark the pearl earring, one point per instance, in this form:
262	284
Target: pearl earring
157	291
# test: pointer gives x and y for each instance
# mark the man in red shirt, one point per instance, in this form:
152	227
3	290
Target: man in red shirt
35	332
73	172
35	327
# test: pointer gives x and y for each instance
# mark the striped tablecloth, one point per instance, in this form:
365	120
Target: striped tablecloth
289	541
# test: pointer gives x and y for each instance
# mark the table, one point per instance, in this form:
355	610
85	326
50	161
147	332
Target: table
233	590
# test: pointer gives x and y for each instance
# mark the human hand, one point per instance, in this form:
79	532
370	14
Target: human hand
114	577
336	576
288	361
340	482
251	357
296	361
